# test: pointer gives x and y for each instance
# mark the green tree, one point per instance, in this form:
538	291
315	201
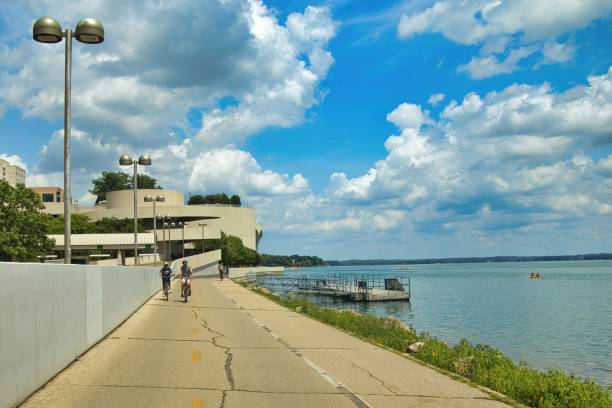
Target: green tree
109	181
198	199
118	180
221	199
235	200
116	225
80	224
22	224
300	260
144	181
233	252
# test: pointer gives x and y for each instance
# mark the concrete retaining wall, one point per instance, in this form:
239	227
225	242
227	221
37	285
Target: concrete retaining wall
202	264
50	314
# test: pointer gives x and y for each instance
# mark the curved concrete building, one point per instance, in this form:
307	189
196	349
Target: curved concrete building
232	220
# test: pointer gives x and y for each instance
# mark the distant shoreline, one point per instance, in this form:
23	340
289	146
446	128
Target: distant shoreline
549	258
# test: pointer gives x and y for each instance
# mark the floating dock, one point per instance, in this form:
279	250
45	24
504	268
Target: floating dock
358	288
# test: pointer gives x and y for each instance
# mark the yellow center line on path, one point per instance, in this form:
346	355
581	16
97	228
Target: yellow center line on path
196	356
195	330
197	402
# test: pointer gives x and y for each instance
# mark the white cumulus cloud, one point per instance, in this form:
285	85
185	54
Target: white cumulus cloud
506	31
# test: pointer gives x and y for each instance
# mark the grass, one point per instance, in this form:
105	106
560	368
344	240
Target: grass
480	364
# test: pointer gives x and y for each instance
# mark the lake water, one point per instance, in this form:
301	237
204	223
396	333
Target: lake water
561	321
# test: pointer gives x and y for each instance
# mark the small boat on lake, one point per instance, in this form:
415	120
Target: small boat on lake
535	276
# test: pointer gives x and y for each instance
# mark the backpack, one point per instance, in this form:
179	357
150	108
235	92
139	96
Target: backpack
185	270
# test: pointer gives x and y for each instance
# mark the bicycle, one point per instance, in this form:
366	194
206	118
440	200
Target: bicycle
166	289
185	292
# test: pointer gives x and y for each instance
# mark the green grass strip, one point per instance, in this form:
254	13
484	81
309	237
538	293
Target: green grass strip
480	364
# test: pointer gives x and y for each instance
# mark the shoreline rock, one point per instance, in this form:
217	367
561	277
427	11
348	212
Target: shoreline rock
392	321
415	347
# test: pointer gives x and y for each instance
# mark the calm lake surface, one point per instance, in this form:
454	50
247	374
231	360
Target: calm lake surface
561	321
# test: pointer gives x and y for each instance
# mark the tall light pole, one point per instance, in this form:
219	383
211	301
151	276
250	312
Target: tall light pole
158	199
163	236
167	217
202	224
143	160
172	225
183	225
89	31
166	258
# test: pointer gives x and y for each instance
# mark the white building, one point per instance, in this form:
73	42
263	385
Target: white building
12	174
232	220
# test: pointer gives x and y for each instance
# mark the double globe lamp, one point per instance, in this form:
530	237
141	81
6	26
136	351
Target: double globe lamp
143	160
89	31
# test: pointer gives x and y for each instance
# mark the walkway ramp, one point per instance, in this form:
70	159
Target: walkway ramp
228	347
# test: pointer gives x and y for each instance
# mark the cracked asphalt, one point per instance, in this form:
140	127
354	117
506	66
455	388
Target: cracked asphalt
229	347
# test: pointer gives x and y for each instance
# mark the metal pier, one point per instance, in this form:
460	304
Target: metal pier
354	287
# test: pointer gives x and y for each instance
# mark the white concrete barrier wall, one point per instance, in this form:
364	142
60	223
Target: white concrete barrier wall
50	314
202	264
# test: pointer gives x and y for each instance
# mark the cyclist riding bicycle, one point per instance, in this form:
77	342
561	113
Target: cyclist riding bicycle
166	273
186	273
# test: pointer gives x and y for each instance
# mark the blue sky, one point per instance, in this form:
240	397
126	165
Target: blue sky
356	129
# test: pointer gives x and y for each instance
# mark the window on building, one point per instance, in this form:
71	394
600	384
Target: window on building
47	197
58	197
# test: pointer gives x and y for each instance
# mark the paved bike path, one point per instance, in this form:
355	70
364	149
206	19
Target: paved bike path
229	347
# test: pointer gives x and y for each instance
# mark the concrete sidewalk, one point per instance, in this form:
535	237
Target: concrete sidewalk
229	347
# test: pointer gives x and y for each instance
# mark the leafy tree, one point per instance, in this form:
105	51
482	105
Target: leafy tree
144	181
235	200
22	224
209	245
300	260
221	199
233	251
80	224
116	225
118	180
109	181
198	199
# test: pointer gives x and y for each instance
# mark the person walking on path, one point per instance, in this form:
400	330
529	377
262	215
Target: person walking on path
221	272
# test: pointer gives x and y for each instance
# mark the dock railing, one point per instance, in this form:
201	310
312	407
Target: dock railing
355	286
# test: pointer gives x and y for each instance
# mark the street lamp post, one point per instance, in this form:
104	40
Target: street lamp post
172	225
143	160
89	31
167	217
166	258
182	225
163	236
202	224
158	199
